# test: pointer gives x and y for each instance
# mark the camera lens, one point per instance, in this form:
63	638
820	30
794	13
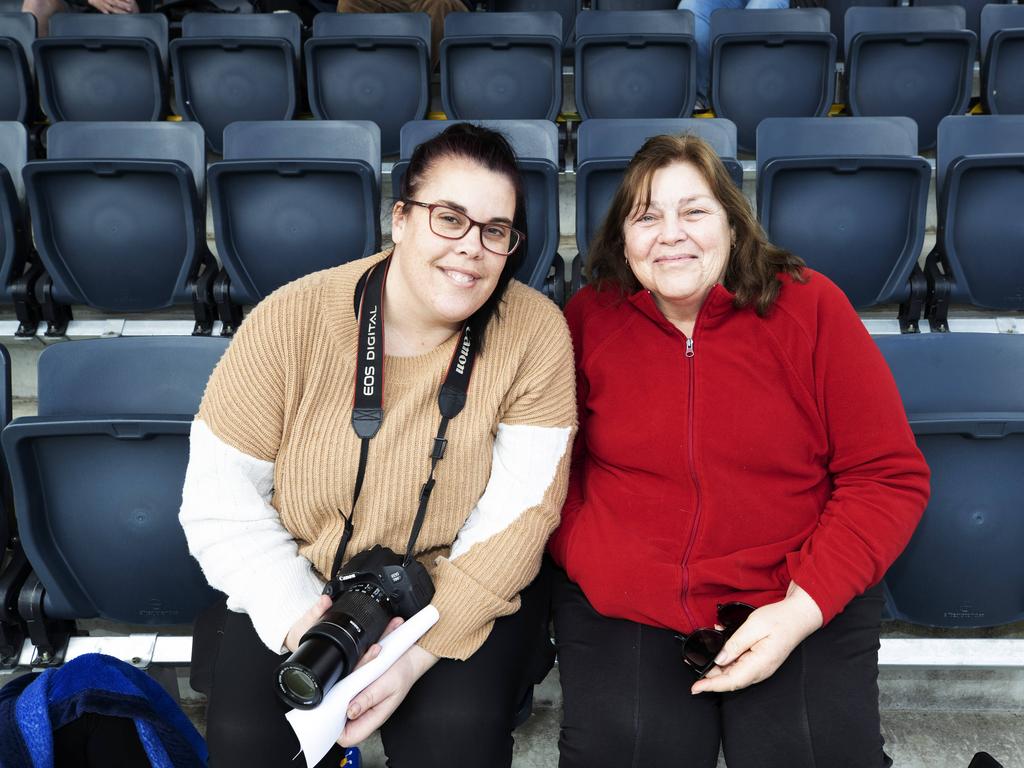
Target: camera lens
299	683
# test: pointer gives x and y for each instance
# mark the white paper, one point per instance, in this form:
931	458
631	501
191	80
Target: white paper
318	729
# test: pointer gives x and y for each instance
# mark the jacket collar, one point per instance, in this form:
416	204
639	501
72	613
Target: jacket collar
717	305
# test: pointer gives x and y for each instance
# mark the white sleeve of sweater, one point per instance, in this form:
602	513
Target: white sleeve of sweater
239	540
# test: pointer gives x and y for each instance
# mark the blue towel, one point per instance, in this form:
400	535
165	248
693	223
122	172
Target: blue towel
33	707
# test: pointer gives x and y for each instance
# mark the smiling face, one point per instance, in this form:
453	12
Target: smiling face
442	282
678	246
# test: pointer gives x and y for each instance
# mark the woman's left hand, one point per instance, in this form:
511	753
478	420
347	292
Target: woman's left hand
369	710
763	642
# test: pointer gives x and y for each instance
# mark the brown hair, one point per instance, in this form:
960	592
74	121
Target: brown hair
754	263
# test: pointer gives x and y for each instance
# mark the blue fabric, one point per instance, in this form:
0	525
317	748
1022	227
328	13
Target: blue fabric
702	10
33	707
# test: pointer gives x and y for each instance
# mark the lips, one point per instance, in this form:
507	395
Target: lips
459	276
675	258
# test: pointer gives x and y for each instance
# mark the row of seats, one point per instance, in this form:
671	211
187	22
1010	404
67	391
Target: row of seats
97	479
118	209
915	61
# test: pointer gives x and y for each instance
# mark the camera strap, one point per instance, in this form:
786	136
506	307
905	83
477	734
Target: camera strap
368	403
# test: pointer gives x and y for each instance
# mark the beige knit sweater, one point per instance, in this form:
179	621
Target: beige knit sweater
274	459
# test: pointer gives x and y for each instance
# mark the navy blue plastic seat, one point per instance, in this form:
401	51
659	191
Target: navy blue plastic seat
917	62
778	63
6	508
980	177
230	67
103	67
502	66
1002	46
848	196
972	10
18	270
837	11
98	474
635	64
963	398
17	90
291	198
535	143
14	567
633	5
370	66
567	9
605	147
119	216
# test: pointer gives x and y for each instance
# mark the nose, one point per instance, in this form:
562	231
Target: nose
672	230
471	244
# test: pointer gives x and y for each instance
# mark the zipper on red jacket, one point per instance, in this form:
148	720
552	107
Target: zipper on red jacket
689	353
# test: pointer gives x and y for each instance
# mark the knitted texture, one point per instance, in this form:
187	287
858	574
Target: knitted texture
283	393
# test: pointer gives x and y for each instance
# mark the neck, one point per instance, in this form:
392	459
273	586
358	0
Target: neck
682	314
410	330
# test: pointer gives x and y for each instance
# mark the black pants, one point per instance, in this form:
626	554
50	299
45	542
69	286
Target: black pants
459	713
626	696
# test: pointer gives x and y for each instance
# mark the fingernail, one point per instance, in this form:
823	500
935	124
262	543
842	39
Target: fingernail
353	712
722	658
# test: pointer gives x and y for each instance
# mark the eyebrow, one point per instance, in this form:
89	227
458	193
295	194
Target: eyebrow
462	209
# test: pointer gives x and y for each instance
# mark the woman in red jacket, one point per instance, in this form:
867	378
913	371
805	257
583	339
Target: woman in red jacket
743	477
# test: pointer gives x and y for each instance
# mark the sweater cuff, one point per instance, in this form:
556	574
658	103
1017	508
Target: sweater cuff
467	613
832	595
277	600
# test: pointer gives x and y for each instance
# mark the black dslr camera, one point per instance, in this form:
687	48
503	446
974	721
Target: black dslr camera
371	589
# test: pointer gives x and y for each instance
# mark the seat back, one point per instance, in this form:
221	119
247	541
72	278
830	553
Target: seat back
6	507
98	477
370	66
567	9
17	32
13	235
972	10
103	67
837	12
230	67
771	63
631	64
502	66
961	396
535	143
847	196
633	5
294	197
118	213
1002	49
980	168
605	147
917	62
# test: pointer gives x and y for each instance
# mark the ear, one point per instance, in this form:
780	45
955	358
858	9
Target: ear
399	215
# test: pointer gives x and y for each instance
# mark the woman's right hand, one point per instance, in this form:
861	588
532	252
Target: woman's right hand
305	621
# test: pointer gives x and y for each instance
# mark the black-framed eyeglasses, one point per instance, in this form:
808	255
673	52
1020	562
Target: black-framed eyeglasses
701	646
452	224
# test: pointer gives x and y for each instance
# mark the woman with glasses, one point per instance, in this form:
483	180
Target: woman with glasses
743	477
275	464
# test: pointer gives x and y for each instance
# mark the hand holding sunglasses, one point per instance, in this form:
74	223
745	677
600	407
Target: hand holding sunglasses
759	644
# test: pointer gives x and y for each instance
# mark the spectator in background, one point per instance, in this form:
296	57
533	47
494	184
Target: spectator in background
44	9
702	10
435	9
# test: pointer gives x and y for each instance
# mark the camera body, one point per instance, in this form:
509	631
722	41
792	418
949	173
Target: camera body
368	591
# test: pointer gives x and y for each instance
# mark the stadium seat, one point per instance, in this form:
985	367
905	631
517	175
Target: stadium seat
19	271
778	63
230	67
1002	51
631	64
370	66
972	10
837	12
977	257
119	216
605	147
917	62
17	89
567	9
103	67
633	5
535	143
291	198
961	392
14	568
97	479
848	196
502	66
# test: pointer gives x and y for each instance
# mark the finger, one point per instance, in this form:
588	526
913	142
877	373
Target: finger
743	672
394	624
371	653
742	640
369	697
359	729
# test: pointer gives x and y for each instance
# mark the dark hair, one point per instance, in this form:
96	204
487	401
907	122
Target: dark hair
754	264
491	150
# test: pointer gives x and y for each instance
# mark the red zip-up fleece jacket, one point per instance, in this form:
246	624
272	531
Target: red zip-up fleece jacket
720	467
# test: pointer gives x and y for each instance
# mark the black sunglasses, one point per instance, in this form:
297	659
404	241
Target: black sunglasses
701	646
